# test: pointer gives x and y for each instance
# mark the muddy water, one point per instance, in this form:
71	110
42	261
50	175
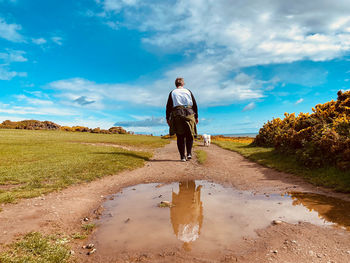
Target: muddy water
204	217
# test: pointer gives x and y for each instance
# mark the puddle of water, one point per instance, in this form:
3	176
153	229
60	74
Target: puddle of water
205	217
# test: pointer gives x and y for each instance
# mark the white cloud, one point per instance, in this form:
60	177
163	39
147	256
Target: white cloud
58	40
28	110
10	31
117	5
6	74
13	56
206	90
34	101
39	41
242	33
113	25
221	37
249	107
299	101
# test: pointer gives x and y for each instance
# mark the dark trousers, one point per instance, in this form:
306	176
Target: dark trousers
184	140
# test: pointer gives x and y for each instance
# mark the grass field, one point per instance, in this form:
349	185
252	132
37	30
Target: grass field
37	162
201	156
36	248
328	176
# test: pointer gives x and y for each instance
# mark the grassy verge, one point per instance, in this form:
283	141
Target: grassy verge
36	248
201	156
37	162
327	176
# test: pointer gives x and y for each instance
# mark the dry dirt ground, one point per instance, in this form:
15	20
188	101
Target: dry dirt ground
62	212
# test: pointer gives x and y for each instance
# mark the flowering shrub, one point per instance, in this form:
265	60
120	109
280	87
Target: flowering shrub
318	139
232	139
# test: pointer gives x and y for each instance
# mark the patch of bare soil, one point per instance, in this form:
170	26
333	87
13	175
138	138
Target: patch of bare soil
63	211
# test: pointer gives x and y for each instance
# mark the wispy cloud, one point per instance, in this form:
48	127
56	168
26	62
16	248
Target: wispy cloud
37	111
149	122
13	56
33	101
6	74
58	40
39	41
10	31
249	107
299	101
117	5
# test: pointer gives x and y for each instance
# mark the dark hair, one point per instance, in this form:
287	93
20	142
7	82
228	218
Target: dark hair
179	82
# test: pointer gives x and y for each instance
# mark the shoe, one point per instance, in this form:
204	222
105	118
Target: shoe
189	156
183	159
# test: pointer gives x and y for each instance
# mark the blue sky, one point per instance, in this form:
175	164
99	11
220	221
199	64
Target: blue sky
99	63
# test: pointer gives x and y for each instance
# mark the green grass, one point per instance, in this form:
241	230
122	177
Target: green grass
79	235
36	248
327	176
38	162
88	227
201	156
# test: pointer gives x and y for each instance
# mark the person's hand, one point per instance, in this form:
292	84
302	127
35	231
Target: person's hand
196	121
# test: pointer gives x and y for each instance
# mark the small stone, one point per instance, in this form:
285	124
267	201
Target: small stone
85	219
111	198
275	251
91	252
89	246
294	242
311	253
72	252
127	220
276	222
348	252
134	189
319	255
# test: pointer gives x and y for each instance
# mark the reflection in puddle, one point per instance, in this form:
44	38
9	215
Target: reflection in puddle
328	208
204	217
186	214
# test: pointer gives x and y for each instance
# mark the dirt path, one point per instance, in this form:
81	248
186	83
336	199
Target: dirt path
62	211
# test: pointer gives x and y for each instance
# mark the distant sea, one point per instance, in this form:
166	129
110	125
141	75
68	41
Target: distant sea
253	134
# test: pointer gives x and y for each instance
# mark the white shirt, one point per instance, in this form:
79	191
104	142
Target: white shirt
181	97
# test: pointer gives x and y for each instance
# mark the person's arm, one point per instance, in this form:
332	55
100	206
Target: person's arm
194	107
169	107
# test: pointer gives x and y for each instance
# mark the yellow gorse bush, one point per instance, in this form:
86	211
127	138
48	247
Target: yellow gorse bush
318	139
233	139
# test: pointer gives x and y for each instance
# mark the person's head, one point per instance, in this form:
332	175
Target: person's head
179	82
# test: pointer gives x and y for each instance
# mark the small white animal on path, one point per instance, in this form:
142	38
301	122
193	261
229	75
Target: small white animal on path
206	138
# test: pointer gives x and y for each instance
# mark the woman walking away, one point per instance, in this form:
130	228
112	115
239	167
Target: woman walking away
182	117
